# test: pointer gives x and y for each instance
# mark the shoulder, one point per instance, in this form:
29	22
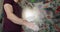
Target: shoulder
7	5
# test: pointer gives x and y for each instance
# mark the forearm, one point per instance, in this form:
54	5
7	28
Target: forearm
16	19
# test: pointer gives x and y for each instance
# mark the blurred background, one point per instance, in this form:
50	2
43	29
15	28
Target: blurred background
52	20
1	2
51	24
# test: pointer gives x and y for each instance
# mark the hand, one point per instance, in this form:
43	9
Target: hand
32	26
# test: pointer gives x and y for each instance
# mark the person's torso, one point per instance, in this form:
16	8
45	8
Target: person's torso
8	24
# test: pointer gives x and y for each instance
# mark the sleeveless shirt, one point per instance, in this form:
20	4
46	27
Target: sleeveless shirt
9	26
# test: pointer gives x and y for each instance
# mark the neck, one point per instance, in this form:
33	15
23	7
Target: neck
16	1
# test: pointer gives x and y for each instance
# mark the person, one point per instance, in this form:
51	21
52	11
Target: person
13	21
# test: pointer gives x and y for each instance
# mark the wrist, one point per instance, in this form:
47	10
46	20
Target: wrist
25	22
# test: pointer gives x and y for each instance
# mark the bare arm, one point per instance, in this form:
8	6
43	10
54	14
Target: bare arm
11	16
